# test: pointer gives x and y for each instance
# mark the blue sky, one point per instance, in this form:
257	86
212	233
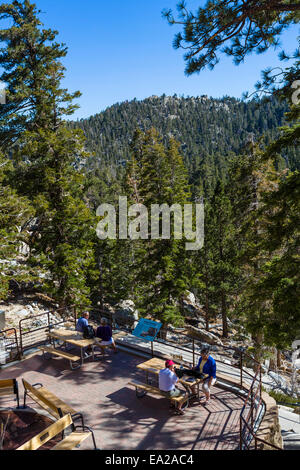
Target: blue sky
122	49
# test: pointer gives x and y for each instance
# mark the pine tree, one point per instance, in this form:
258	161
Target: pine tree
202	279
47	156
236	28
156	175
15	212
251	177
223	269
31	70
278	287
280	283
65	230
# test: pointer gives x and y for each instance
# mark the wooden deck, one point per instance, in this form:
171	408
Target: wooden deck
120	420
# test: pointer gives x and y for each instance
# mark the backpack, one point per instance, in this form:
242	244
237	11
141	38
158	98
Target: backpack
88	332
191	373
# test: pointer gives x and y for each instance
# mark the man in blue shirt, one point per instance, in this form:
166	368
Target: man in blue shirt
207	365
82	322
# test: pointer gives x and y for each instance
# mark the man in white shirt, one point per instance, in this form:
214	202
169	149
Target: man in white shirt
167	380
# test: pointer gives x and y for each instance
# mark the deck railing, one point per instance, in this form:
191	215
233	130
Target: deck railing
33	336
9	346
29	337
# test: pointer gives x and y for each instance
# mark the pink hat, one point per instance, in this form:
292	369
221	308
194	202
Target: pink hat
169	363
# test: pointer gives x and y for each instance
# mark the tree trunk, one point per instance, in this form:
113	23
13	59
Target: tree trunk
206	312
279	363
258	343
273	364
163	331
206	305
224	315
100	283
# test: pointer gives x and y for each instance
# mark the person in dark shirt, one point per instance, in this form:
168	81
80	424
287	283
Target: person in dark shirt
105	334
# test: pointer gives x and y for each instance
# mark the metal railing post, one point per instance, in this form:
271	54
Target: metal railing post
21	339
241	444
260	390
75	315
193	352
241	367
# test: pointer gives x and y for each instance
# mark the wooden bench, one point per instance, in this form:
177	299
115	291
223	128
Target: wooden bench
64	354
50	402
141	389
97	344
116	336
72	440
10	387
103	347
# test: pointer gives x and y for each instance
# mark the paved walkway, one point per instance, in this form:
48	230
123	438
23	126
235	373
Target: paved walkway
120	420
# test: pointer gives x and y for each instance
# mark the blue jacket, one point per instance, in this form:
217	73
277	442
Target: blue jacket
81	323
209	368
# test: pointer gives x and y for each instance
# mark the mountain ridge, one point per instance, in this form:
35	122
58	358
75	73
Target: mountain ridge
210	130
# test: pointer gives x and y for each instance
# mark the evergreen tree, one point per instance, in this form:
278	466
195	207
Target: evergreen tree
251	177
29	59
236	28
278	286
112	278
15	212
46	155
156	175
223	269
202	279
65	229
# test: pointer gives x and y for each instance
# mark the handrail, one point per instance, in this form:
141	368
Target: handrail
3	332
48	313
256	439
287	404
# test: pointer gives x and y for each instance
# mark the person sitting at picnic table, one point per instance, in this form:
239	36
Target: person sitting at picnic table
82	322
105	334
167	380
207	366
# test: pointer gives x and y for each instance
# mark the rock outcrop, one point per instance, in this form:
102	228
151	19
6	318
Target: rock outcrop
203	335
126	314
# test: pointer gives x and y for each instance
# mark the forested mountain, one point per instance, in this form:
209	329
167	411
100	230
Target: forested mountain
209	130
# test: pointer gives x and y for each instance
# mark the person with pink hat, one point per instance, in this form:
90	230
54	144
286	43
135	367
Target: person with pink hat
167	380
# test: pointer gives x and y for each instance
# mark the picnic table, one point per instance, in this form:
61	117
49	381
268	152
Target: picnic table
154	365
75	338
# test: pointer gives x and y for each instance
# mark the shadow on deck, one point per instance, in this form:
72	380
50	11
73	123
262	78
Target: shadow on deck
120	420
